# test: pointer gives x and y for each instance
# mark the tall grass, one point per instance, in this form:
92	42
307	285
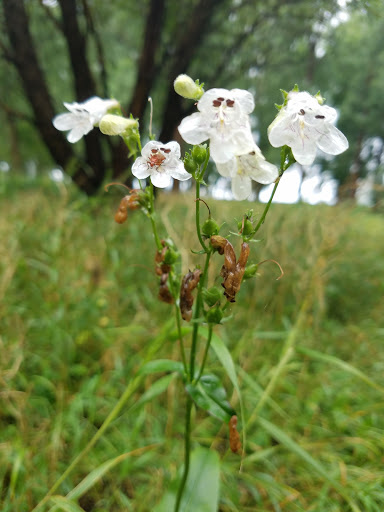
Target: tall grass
79	311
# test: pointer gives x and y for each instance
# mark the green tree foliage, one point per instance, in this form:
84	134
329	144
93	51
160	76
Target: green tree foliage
131	50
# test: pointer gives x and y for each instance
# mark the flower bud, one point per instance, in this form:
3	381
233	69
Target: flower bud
187	88
245	227
212	296
170	257
250	271
199	153
214	315
116	125
210	227
189	164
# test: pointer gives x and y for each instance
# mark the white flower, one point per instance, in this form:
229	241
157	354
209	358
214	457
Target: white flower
305	125
82	117
161	162
223	118
242	169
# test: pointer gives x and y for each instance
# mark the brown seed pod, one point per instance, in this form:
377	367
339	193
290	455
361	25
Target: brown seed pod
219	242
232	272
129	202
188	284
234	436
163	271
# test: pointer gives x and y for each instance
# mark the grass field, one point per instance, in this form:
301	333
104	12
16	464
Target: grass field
79	314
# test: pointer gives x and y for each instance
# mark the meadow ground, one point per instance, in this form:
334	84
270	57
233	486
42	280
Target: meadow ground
79	313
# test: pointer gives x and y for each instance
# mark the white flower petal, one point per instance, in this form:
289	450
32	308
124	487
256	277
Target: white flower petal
282	131
174	147
257	168
304	151
205	103
221	150
64	122
140	168
333	141
160	179
245	100
194	129
77	133
227	169
241	187
147	149
177	171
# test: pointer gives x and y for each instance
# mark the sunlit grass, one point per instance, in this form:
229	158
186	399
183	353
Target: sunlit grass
79	310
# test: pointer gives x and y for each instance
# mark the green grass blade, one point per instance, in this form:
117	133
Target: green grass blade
295	448
94	476
320	356
201	493
64	505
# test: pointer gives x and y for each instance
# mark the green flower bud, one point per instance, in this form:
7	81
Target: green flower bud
214	315
116	125
189	164
212	296
170	257
199	153
187	88
247	229
210	228
250	271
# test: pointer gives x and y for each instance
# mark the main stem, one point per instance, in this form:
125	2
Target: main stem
187	451
196	314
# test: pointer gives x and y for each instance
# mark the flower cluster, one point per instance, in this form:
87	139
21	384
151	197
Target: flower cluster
303	123
82	117
223	118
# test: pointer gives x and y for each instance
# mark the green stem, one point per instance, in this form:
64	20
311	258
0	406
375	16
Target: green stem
187	451
152	217
196	316
262	218
202	243
210	329
182	350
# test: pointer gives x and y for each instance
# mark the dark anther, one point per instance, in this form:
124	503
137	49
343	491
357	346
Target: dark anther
252	153
230	103
320	117
221	99
302	112
216	103
165	150
154	150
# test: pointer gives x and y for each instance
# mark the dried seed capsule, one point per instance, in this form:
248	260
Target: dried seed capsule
188	284
234	437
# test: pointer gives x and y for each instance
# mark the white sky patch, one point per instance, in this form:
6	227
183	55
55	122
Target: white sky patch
4	166
56	175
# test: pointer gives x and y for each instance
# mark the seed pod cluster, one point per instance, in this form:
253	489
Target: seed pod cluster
188	284
232	271
129	202
163	269
234	436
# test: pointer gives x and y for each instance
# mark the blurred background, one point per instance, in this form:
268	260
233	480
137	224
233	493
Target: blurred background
78	293
54	51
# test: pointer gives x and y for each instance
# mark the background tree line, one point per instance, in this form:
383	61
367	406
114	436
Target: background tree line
68	50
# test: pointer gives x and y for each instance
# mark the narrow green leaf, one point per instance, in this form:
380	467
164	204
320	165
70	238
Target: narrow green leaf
161	365
201	493
295	448
320	356
156	389
205	402
63	504
94	476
